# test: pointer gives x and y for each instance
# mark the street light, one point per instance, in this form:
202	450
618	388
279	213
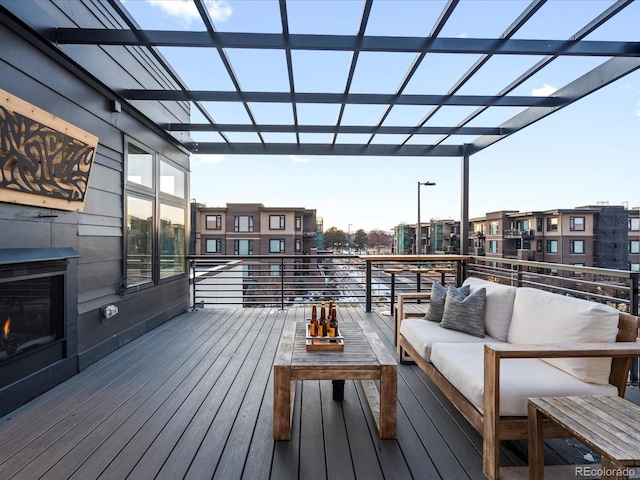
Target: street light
419	226
349	238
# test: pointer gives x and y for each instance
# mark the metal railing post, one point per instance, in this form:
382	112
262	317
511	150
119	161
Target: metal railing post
192	267
368	288
282	283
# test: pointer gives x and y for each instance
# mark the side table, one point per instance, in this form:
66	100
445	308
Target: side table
610	425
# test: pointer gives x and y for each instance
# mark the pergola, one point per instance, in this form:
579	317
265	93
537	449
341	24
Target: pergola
619	58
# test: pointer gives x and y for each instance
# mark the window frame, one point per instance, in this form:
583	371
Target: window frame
281	245
237	223
158	199
281	222
572	246
572	224
552	224
634	251
218	248
217	222
549	250
236	246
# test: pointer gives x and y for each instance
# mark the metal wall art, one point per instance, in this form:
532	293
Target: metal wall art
44	161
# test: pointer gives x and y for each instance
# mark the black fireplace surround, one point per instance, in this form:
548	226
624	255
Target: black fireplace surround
33	319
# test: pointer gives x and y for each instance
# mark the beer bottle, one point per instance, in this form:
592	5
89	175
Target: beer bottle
322	330
313	324
333	325
330	331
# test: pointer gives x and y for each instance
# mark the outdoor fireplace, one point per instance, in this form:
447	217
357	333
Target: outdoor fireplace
32	312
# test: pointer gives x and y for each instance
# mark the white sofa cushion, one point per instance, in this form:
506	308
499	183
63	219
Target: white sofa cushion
463	366
541	317
422	334
499	306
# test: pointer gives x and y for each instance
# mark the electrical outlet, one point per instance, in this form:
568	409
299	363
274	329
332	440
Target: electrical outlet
109	311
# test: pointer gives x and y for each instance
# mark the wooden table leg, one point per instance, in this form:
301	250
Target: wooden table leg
536	455
388	401
282	402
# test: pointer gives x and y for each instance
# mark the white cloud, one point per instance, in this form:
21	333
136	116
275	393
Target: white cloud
544	91
208	159
296	158
638	110
186	10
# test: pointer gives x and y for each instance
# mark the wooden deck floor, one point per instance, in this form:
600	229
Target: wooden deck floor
193	399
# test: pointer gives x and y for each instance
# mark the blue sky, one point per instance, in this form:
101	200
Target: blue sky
586	153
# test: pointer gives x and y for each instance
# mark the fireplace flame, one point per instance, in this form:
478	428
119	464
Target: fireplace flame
6	328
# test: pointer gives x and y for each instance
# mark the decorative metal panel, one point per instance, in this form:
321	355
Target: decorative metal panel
44	160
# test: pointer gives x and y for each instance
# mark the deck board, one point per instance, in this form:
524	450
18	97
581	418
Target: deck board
193	399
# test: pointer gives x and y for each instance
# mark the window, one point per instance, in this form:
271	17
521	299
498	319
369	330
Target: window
298	224
634	246
523	225
213	222
493	246
552	224
139	167
155	217
171	180
539	246
539	224
634	224
635	267
274	270
552	246
298	246
139	240
213	245
243	247
172	240
493	228
576	224
243	223
276	246
276	222
576	246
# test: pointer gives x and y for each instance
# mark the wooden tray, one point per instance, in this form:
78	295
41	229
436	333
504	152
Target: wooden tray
329	344
320	344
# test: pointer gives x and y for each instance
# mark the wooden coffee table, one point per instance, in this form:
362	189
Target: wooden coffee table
364	358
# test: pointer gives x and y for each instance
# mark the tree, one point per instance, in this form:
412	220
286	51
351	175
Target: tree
360	240
379	239
335	238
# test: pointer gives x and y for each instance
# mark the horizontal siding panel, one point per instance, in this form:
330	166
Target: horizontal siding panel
99	274
94	231
100	249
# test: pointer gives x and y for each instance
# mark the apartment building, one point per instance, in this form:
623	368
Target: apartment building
253	229
593	236
599	236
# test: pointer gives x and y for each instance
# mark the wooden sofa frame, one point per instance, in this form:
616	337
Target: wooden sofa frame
492	426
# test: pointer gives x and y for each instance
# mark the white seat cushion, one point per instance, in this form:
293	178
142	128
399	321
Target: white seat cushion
544	317
421	334
499	306
463	366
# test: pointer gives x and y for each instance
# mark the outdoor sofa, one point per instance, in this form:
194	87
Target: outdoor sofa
555	345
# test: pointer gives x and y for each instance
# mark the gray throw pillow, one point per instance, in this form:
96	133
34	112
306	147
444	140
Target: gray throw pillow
438	298
465	314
